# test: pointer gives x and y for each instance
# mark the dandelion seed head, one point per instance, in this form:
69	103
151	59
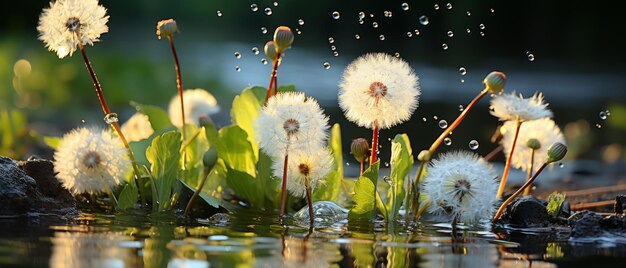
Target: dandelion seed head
512	107
460	183
378	87
544	130
313	164
67	24
198	102
91	160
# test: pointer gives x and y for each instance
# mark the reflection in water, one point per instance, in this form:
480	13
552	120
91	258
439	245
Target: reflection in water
74	249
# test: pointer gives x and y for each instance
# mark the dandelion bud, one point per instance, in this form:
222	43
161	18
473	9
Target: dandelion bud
209	159
556	152
360	149
270	50
166	27
495	81
424	156
534	144
283	38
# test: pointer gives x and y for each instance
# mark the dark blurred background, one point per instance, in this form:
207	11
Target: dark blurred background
573	51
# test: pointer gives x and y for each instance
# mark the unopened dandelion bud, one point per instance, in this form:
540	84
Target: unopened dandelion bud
556	152
360	149
209	159
166	28
283	38
424	156
495	81
270	50
534	144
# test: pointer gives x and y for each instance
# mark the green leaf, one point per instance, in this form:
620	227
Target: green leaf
401	164
265	181
158	117
364	194
12	122
236	150
246	109
285	88
128	197
164	158
555	202
245	187
53	142
193	153
209	199
331	189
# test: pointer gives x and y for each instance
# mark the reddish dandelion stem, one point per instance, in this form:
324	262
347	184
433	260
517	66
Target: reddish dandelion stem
309	201
507	166
283	192
374	143
517	193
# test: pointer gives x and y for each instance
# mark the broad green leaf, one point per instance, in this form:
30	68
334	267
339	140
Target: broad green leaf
265	181
210	132
245	187
194	148
401	164
128	197
164	158
364	194
209	199
53	142
555	202
246	109
235	149
331	189
158	117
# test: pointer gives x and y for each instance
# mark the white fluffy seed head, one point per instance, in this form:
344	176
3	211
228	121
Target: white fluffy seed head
312	164
197	102
68	23
544	130
378	87
137	127
462	184
512	107
91	160
291	120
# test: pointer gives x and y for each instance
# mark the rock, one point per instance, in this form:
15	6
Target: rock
590	225
22	194
527	212
325	214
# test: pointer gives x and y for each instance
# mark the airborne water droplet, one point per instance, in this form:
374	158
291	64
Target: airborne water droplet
423	20
462	71
598	126
468	30
409	34
530	56
449	6
561	165
602	115
450	34
237	68
331	40
298	31
255	51
461	108
468	13
219	13
417	32
381	37
326	65
237	55
436	7
397	54
405	6
254	7
435	117
333	48
357	36
275	4
375	24
264	61
473	144
361	15
444	46
268	11
443	123
481	26
336	15
447	141
263	30
111	118
387	180
424	119
301	22
335	53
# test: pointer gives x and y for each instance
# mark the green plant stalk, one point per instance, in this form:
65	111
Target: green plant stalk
393	204
197	192
107	111
530	171
517	193
112	198
155	193
379	203
507	166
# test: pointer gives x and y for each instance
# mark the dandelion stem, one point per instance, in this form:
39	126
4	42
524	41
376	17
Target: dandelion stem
179	80
362	168
197	192
530	170
456	122
283	191
309	200
422	209
518	192
455	220
493	153
507	166
374	143
273	81
106	110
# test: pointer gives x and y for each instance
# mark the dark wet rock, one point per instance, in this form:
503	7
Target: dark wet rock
588	224
527	212
620	204
22	194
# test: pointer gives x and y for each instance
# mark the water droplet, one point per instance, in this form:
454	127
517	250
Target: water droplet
417	32
561	165
255	50
326	65
530	56
435	117
237	68
461	108
371	15
336	15
449	6
397	54
387	180
462	81
444	46
450	34
254	7
436	7
409	34
468	30
469	13
481	26
361	22
388	14
268	11
263	30
424	119
264	61
331	40
347	163
298	31
608	113
375	24
361	15
447	141
301	22
423	20
219	13
492	10
598	126
462	71
333	48
482	33
473	144
388	139
357	36
602	115
381	37
443	123
405	6
111	118
275	4
237	55
335	53
82	121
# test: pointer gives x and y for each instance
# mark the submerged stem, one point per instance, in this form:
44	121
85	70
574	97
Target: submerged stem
518	192
530	170
507	166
